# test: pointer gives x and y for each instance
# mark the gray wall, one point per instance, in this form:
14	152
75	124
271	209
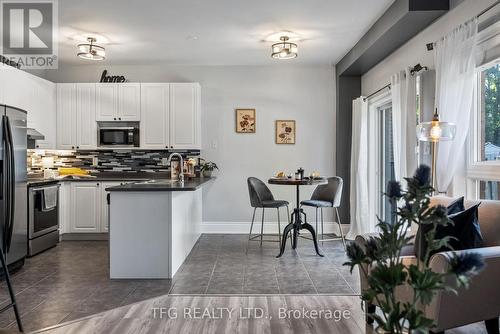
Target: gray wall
415	51
348	88
284	91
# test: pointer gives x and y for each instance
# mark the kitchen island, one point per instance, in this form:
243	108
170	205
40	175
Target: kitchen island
153	225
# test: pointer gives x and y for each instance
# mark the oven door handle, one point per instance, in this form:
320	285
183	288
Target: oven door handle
41	188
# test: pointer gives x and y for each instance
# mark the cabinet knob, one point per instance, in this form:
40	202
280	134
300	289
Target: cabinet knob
171	147
78	147
72	147
114	118
119	118
37	146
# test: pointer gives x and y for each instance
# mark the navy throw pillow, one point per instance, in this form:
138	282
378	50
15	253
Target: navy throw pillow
465	229
456	206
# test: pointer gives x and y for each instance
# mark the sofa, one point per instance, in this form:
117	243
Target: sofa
481	301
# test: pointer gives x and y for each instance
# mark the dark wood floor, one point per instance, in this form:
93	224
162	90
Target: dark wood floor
67	290
71	280
281	314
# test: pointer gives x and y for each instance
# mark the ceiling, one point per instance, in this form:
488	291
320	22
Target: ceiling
214	32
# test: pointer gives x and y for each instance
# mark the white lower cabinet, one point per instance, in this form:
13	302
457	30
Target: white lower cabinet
83	206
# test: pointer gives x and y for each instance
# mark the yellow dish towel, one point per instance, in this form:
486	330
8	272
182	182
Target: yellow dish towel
72	171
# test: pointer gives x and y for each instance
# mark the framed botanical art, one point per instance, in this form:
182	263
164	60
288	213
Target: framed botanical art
285	132
245	120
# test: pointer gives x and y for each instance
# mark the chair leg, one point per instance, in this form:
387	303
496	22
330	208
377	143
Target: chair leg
316	223
250	233
262	227
322	227
492	326
251	225
340	227
279	226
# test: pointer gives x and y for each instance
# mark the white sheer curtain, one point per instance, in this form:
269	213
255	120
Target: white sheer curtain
403	96
455	68
361	221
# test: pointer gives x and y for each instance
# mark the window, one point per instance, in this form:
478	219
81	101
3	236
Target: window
483	172
489	190
489	119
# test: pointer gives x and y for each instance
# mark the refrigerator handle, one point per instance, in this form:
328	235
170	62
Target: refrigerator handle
5	185
10	180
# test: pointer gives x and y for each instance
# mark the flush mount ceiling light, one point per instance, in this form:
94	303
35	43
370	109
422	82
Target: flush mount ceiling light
91	51
284	49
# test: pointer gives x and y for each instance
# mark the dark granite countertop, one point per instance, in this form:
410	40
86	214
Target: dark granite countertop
162	185
41	182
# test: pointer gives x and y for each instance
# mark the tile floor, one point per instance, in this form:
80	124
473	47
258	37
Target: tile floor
71	281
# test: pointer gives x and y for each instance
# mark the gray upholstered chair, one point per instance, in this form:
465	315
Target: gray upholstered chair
478	302
262	197
327	196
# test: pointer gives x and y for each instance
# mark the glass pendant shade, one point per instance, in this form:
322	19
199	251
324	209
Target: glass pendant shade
284	49
91	51
435	130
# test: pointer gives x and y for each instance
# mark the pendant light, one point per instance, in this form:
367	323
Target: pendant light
284	49
91	51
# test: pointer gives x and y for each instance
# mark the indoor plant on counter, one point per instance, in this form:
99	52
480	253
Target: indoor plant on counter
387	275
207	167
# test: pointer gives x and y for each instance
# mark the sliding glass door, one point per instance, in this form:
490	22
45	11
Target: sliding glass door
385	159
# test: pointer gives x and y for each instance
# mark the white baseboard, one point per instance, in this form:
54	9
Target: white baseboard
269	227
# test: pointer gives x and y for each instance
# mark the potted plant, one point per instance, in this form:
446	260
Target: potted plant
207	168
380	262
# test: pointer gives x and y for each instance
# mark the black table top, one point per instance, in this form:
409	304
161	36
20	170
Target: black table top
293	182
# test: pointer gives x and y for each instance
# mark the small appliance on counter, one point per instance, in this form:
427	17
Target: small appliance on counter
43	216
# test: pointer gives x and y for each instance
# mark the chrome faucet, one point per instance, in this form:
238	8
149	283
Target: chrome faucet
181	173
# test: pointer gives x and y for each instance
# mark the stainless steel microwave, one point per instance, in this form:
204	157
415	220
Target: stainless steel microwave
118	134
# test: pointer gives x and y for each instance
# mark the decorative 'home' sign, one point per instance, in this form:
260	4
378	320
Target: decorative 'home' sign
111	78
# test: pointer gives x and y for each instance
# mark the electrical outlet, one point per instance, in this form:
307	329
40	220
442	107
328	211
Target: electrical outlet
164	161
95	161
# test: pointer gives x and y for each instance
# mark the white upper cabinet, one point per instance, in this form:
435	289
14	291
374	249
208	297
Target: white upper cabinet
66	116
129	102
118	102
76	124
85	117
170	116
185	122
42	114
106	97
154	115
34	95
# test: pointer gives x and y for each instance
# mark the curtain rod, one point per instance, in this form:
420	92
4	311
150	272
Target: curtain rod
430	46
376	92
488	9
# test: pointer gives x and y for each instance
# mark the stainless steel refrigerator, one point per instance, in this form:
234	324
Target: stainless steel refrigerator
13	191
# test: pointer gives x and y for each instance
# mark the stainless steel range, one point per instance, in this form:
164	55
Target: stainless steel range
43	217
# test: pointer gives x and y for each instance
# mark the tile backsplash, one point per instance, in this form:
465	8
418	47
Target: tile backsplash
105	160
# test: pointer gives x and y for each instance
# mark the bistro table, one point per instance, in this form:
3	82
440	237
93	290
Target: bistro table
296	222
